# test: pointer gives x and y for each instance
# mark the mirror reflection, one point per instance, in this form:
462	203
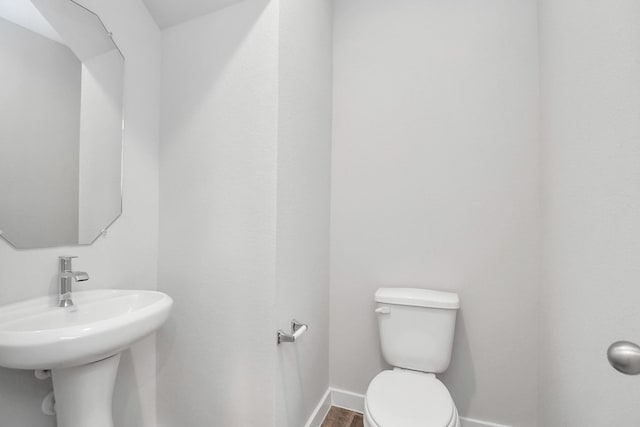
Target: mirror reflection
61	123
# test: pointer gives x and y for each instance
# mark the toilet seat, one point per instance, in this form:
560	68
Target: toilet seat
402	398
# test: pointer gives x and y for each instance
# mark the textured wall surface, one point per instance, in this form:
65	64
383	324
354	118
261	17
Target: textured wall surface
304	155
245	213
218	217
590	103
435	184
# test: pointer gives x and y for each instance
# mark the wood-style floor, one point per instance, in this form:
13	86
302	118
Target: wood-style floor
338	417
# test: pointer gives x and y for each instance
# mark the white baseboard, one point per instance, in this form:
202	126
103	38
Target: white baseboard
347	400
355	402
470	422
318	415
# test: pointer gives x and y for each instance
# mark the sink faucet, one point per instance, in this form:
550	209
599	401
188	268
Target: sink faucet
66	278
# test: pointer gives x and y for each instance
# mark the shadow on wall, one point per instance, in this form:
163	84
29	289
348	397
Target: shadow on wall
289	358
462	369
22	396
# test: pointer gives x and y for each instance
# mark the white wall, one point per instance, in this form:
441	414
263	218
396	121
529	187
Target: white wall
217	355
435	184
127	258
39	133
245	213
591	135
304	145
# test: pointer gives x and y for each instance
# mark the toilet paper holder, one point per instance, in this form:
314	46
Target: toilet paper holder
297	329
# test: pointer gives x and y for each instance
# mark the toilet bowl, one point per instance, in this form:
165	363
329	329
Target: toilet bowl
416	336
402	398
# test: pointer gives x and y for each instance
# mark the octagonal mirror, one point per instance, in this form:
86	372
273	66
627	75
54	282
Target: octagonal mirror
61	124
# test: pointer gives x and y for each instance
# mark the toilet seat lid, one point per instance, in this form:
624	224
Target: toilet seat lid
409	399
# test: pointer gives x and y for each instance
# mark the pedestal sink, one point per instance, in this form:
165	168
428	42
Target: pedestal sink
81	345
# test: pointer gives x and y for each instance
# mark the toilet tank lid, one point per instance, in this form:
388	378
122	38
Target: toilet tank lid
418	298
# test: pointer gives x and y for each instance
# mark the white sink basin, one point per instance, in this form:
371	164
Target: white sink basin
35	334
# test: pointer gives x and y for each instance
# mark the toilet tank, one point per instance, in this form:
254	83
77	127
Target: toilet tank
416	327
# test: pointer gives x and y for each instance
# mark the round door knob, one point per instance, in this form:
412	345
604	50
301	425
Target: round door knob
624	356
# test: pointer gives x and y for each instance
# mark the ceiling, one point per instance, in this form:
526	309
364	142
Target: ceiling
172	12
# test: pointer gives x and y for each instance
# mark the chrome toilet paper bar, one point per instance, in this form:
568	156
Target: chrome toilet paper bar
297	329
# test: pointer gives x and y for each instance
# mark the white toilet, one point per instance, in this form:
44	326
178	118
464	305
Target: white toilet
416	335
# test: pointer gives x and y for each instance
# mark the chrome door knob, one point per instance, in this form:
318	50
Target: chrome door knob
624	356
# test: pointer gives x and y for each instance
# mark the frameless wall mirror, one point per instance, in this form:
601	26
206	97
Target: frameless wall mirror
61	124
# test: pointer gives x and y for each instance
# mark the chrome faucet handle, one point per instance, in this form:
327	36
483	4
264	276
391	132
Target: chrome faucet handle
65	262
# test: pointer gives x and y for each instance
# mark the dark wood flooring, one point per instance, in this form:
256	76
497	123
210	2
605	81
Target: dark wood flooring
338	417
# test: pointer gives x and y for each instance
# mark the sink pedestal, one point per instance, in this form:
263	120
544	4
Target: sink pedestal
84	394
